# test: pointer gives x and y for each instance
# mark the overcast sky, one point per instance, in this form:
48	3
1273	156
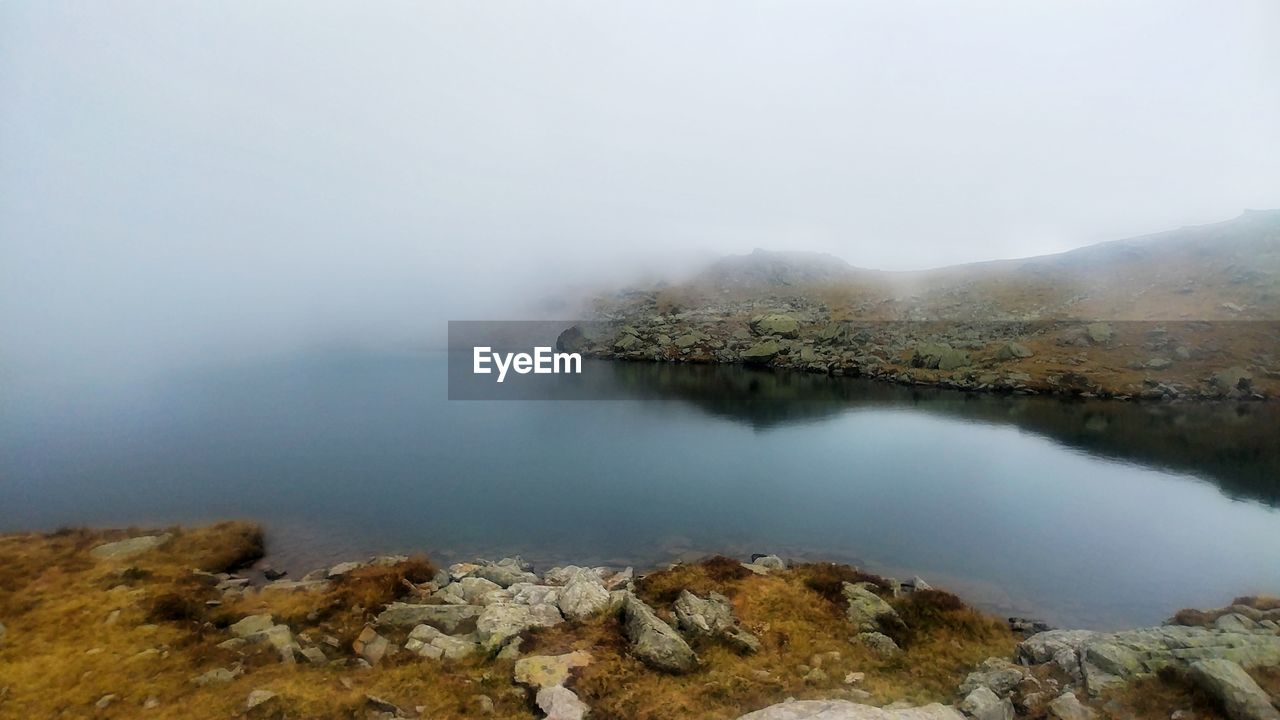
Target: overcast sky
180	179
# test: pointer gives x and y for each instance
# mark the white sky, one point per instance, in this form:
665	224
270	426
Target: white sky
182	177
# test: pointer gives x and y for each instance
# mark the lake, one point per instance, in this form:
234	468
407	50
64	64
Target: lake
1086	513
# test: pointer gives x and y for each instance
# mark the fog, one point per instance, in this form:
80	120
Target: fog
202	181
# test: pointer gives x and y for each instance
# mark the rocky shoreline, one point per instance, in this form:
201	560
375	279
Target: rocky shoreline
394	637
1151	361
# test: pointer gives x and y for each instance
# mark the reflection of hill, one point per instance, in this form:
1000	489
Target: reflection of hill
1233	445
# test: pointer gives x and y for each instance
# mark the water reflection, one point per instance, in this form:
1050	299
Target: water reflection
1235	445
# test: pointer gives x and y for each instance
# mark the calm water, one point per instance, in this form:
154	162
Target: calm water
1095	514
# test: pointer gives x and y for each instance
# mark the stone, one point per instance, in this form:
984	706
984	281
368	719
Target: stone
867	611
105	701
341	569
880	644
452	619
583	596
1067	707
504	575
484	704
132	547
539	671
1099	333
429	642
983	704
258	698
778	324
995	674
531	594
469	590
654	642
560	703
1013	351
572	340
500	622
846	710
251	625
1159	364
279	637
1230	685
218	676
713	618
1232	381
761	352
370	646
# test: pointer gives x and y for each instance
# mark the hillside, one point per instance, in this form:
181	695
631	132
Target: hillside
1192	312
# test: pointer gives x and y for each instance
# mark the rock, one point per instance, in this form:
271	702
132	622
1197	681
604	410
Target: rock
816	676
341	569
765	564
452	619
151	703
983	704
530	594
1099	333
1232	381
761	352
258	698
469	590
539	671
273	574
778	324
1231	686
500	622
218	676
1159	364
688	340
1013	350
484	704
881	644
867	611
572	340
559	703
251	625
939	356
654	642
370	645
917	584
279	637
1067	707
505	575
1106	659
583	596
105	701
378	704
995	674
3	632
845	710
125	549
428	642
713	618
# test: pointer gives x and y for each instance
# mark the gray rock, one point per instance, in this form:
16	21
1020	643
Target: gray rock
500	622
939	356
505	575
251	625
881	644
583	596
341	569
1239	695
469	590
867	611
371	646
1232	381
531	594
429	642
218	676
132	547
778	324
1013	350
654	642
1067	707
713	618
3	631
1099	333
258	698
983	704
761	352
559	703
997	675
539	671
452	619
845	710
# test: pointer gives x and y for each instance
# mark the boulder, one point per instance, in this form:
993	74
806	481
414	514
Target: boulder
778	324
125	549
995	674
539	671
983	704
654	642
371	646
258	698
1231	686
761	352
1013	351
1067	707
880	644
429	642
251	625
1232	382
713	618
939	356
452	619
560	703
583	596
468	591
505	574
846	710
500	622
1099	333
218	676
572	340
867	611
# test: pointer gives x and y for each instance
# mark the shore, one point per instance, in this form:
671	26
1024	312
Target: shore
1131	360
193	623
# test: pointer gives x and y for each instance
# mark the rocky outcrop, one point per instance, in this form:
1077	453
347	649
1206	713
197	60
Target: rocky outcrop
654	642
132	547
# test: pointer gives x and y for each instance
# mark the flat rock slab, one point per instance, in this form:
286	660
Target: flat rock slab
125	549
541	671
451	619
1231	685
845	710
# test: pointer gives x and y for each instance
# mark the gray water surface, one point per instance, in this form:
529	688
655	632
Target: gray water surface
1097	514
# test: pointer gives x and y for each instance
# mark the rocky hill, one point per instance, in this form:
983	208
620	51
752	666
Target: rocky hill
1193	312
